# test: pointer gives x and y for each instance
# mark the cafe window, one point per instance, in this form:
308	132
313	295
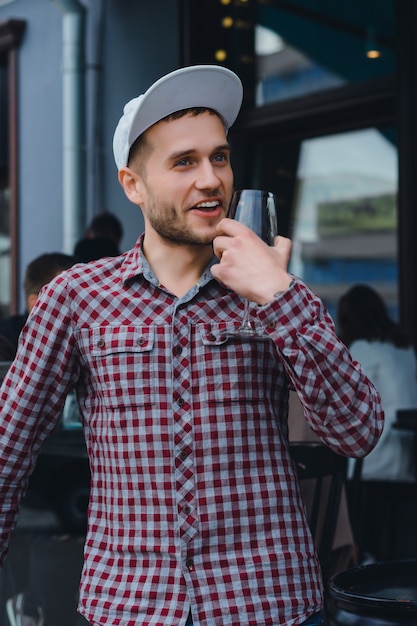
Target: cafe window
345	214
338	202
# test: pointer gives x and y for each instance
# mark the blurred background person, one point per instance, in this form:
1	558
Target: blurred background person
103	237
106	225
389	360
38	273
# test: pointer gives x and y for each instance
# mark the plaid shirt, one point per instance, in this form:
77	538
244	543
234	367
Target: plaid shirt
194	499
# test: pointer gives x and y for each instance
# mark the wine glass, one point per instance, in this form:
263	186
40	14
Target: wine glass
257	209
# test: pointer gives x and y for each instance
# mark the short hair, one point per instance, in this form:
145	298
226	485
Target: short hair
363	314
43	269
106	225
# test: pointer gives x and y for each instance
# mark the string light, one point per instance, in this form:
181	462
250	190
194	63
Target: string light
227	21
372	48
220	55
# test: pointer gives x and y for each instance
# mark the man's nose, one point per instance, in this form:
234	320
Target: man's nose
206	176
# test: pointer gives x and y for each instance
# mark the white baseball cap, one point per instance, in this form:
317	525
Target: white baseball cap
210	86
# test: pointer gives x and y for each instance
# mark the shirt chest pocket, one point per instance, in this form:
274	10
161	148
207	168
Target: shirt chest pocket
123	364
231	368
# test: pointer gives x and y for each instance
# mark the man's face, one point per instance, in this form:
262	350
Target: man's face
186	179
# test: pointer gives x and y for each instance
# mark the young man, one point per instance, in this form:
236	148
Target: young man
195	511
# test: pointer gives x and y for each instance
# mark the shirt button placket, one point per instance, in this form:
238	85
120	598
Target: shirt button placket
183	435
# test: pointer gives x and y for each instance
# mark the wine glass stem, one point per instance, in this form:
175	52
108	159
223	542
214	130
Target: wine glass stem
246	323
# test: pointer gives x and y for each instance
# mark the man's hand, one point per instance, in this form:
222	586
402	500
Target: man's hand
248	265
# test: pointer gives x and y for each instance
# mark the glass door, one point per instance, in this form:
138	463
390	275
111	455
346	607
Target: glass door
344	214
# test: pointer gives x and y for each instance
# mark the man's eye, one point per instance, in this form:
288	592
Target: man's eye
219	158
183	162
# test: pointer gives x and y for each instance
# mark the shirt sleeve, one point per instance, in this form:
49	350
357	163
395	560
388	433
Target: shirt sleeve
340	403
31	398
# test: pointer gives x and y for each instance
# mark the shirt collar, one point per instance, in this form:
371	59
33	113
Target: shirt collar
135	264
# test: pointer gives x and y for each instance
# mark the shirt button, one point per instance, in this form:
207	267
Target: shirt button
183	455
186	510
271	325
100	343
180	401
212	337
190	564
177	350
141	341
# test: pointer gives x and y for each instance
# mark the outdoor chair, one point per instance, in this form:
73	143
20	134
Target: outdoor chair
322	474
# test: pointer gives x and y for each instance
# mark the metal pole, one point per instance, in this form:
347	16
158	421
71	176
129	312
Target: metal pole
74	136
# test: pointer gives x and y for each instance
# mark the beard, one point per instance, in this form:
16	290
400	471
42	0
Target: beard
168	225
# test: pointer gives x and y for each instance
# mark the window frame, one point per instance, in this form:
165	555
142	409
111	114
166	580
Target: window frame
11	35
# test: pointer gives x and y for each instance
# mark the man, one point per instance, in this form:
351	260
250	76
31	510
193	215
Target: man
195	511
38	273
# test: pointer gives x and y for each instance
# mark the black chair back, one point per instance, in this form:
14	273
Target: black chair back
326	473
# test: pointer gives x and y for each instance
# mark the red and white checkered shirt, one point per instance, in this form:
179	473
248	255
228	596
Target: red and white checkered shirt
194	499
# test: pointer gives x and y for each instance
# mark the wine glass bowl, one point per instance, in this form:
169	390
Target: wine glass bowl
256	209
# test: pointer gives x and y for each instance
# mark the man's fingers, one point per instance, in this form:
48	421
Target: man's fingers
220	244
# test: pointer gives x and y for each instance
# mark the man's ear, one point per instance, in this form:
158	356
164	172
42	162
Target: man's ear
31	300
132	184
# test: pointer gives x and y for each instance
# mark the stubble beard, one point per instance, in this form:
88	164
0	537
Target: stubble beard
166	224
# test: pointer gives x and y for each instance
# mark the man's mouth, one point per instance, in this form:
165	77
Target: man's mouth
207	206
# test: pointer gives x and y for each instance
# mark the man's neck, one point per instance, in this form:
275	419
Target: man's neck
178	268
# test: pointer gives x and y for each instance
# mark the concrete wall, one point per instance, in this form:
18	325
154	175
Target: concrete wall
129	44
141	45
